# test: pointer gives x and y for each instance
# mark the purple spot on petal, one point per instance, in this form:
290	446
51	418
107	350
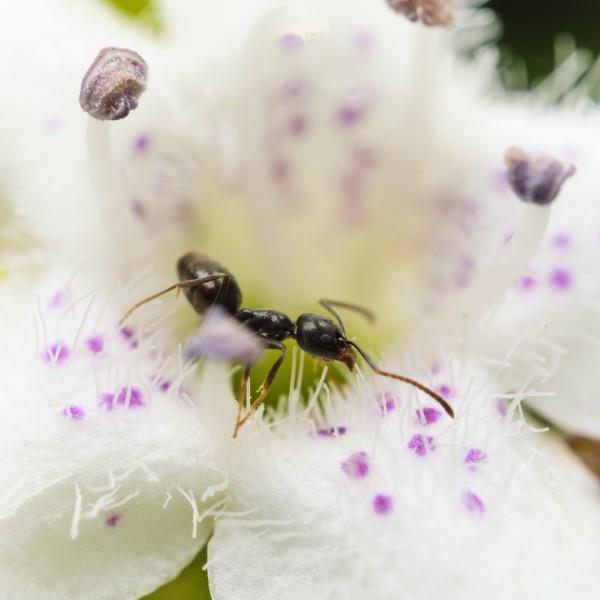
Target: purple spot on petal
137	208
128	334
386	403
95	344
527	283
561	279
562	241
293	89
130	397
57	299
142	143
428	416
280	170
349	115
112	520
473	503
73	412
363	41
383	504
421	445
474	456
364	157
445	390
435	368
297	125
332	431
57	353
290	41
502	406
357	465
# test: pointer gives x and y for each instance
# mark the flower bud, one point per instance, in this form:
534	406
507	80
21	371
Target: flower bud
112	85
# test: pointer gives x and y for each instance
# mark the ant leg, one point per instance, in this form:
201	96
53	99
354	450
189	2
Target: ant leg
437	397
361	310
242	394
188	283
263	390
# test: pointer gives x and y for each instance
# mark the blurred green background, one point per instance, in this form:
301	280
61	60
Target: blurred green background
530	29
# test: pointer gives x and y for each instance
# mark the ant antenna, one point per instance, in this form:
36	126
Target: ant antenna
189	283
361	310
437	397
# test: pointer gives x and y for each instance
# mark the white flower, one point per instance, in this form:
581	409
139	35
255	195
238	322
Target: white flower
110	480
316	149
386	498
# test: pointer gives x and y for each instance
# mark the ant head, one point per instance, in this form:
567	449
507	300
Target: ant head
321	337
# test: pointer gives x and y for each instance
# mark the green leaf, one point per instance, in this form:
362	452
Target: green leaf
144	11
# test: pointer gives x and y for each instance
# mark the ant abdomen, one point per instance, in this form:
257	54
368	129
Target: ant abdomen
224	292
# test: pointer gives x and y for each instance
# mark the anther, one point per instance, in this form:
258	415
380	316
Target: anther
434	13
113	84
536	177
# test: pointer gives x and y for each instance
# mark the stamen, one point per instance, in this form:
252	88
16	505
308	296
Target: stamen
113	84
434	13
537	180
536	177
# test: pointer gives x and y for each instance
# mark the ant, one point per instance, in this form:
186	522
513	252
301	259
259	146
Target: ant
206	283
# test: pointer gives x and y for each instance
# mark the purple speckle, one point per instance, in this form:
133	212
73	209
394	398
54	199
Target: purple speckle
383	504
527	283
73	412
428	416
112	520
364	157
357	465
350	114
421	445
561	279
475	456
58	299
95	344
386	403
57	353
502	406
137	208
297	125
435	369
445	390
142	143
128	334
130	397
363	41
473	503
164	385
293	89
290	41
280	170
562	241
332	431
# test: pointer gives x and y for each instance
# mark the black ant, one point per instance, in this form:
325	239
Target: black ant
206	283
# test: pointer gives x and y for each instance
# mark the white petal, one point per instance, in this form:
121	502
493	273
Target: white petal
552	311
110	476
395	505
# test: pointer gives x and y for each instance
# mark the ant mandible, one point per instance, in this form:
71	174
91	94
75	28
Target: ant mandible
206	283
